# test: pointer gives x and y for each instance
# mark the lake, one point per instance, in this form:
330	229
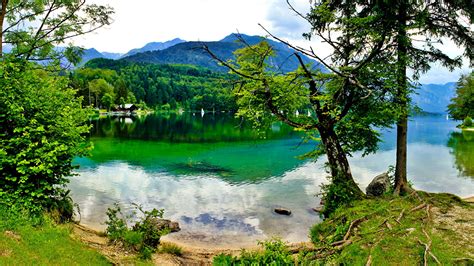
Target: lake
220	179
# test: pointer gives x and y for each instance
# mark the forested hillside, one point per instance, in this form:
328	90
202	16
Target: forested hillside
105	82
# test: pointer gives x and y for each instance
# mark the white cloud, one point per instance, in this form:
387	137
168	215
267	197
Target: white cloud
141	21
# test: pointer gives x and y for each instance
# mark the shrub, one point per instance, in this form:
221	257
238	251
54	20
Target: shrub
337	194
275	253
43	126
143	236
467	122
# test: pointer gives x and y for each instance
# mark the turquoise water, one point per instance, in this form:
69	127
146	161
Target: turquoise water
220	179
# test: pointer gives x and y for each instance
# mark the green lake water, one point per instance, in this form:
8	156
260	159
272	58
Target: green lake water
221	180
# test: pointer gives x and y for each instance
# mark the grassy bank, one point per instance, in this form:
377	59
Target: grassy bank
421	228
38	241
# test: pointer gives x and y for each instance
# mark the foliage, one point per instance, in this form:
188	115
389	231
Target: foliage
337	194
35	240
143	236
467	122
185	86
275	252
42	128
34	28
462	105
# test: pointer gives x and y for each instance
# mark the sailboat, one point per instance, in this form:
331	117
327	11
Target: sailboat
202	112
297	113
309	113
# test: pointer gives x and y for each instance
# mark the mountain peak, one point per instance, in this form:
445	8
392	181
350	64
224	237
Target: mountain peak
153	46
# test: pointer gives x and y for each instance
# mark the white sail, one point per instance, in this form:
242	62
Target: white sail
202	112
309	113
297	113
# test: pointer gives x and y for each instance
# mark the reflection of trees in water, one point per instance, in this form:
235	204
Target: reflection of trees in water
462	147
182	128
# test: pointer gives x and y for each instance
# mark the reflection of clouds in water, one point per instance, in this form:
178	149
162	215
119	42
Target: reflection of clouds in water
213	208
203	204
430	168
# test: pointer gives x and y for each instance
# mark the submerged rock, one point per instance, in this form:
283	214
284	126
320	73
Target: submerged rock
318	209
379	185
282	211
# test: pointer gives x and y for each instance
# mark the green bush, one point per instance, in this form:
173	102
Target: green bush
337	194
275	253
42	129
142	237
467	122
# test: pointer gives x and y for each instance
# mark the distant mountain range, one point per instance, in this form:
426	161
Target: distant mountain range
92	53
434	98
194	54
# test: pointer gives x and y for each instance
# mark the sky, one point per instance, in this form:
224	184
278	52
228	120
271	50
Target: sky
138	22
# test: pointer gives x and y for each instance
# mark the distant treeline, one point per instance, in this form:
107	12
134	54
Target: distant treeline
109	83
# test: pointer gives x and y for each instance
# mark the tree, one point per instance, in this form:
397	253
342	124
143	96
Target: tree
99	87
107	101
50	23
42	123
42	127
462	105
346	103
411	31
408	21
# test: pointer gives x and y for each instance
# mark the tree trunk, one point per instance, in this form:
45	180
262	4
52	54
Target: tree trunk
401	182
337	159
3	12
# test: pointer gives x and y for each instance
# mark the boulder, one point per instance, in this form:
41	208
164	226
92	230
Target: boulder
282	211
161	224
379	185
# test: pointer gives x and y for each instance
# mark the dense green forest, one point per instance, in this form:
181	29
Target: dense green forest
107	83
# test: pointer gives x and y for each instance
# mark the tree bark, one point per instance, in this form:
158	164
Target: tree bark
338	163
401	182
3	13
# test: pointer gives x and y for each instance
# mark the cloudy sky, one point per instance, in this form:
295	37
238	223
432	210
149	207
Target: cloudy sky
138	22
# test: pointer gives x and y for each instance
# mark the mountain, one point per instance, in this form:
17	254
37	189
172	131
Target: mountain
152	46
114	56
90	54
434	98
193	53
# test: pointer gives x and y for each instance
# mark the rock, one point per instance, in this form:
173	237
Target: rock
318	209
379	185
161	224
282	211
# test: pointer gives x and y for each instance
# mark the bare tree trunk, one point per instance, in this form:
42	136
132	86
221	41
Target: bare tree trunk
3	12
401	182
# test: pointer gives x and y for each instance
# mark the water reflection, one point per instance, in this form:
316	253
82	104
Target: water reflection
221	181
461	146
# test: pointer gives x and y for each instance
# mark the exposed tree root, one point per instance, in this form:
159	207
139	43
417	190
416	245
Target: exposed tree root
400	216
419	207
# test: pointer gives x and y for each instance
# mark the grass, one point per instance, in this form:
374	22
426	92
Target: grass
385	231
37	241
388	242
170	248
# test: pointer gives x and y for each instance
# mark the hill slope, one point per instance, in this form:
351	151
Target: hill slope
194	54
